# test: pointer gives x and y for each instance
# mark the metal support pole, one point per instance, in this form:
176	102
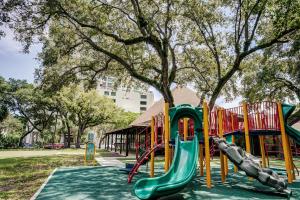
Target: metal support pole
285	145
185	128
152	146
167	137
127	144
206	142
121	142
222	158
247	137
116	138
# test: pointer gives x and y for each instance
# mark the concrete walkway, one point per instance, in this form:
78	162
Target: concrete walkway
109	161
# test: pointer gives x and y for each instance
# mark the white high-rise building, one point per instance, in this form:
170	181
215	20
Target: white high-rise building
132	100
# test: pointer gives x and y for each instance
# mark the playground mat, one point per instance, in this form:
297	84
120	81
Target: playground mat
109	183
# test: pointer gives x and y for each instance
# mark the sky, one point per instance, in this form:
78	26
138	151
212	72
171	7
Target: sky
13	62
16	64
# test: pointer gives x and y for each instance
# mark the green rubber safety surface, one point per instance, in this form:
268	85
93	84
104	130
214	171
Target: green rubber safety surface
110	183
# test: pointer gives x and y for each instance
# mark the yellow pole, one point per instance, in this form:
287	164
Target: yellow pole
291	160
185	128
225	157
222	158
247	138
262	150
206	142
235	168
201	160
167	137
226	165
285	146
152	146
261	143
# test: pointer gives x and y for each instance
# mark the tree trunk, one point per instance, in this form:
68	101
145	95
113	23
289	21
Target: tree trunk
168	96
65	140
23	136
80	132
223	81
69	136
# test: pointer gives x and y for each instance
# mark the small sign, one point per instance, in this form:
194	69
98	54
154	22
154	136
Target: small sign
91	136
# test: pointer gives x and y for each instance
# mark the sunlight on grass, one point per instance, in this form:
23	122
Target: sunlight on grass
20	178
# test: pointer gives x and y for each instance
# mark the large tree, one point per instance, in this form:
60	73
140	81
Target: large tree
229	33
141	38
275	75
88	108
3	99
34	107
204	42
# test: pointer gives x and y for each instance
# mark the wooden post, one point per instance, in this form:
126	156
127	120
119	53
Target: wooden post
185	128
127	144
152	146
220	129
112	141
206	142
247	137
121	142
116	138
167	126
285	144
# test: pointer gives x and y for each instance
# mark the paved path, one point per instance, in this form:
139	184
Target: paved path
110	161
34	153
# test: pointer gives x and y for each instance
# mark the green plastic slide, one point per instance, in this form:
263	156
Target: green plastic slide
292	132
181	172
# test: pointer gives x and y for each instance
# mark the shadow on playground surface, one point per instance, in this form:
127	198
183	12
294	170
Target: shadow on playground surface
110	183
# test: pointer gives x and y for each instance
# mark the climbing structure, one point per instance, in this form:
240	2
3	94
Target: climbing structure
260	120
222	126
144	148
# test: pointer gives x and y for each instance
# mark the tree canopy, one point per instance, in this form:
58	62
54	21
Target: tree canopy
155	42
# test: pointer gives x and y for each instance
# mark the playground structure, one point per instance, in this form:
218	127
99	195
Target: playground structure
223	126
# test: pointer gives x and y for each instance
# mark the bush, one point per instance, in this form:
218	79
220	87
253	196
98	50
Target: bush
9	141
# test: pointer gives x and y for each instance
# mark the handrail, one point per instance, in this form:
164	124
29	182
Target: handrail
140	161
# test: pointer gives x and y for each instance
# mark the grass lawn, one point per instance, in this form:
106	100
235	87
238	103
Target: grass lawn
20	178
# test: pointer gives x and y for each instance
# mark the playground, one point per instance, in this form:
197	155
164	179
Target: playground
149	99
203	161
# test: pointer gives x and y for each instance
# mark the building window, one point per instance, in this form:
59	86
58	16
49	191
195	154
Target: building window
106	93
143	102
109	85
143	96
143	108
113	93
